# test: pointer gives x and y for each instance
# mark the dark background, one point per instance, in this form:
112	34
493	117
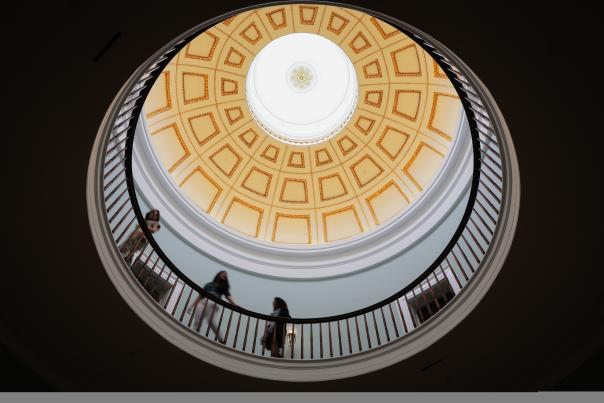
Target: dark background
64	327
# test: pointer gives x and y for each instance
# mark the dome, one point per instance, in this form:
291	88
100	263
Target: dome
228	127
334	157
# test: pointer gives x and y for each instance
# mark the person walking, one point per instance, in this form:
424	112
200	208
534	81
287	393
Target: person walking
204	307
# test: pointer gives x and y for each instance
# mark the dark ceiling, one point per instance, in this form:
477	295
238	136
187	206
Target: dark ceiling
63	319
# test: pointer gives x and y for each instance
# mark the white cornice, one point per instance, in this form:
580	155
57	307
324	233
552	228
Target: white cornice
208	237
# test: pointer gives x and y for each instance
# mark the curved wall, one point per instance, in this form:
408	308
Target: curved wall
320	297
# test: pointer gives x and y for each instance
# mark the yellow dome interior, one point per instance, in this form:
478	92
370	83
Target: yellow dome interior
203	134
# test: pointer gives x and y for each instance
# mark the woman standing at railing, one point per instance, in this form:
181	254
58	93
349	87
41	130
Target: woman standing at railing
274	336
158	287
205	307
136	242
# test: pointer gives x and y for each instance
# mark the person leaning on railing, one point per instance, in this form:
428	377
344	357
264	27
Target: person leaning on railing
274	335
205	307
136	242
157	287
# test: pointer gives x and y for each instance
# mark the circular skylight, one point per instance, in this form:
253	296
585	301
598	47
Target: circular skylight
301	88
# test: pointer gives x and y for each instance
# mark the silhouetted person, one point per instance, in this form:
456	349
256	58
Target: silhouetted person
136	242
274	335
204	307
157	287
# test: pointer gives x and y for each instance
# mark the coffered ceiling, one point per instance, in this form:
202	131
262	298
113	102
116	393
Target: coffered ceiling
204	135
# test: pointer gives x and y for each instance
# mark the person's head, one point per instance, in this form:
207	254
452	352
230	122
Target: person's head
152	215
153	226
152	220
221	278
279	303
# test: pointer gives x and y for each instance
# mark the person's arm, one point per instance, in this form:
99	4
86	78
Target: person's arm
231	300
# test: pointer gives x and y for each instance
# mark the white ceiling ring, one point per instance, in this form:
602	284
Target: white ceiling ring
302	88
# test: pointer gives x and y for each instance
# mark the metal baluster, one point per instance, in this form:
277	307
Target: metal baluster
349	339
210	321
330	345
377	331
226	334
400	310
385	325
393	320
236	330
265	333
292	344
172	290
255	337
410	313
301	341
247	328
222	309
182	315
339	337
321	338
367	331
312	346
356	321
178	299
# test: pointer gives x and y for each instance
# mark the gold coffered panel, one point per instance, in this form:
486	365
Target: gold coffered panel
203	133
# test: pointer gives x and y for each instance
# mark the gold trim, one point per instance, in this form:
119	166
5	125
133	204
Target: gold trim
366	46
399	73
233	64
234	168
404	115
354	172
225	93
349	149
358	126
168	97
379	69
211	136
291	156
251	143
329	213
180	141
212	48
265	155
315	10
228	21
245	36
377	104
209	178
318	162
342	18
437	74
285	181
377	25
268	185
294	216
206	95
232	120
322	194
248	205
412	159
379	142
379	192
275	25
433	110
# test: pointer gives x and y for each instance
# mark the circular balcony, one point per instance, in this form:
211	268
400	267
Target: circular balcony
437	144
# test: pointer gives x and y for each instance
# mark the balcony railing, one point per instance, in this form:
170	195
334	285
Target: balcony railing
309	338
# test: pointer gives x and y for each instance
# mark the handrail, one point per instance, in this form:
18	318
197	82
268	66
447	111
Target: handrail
470	241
